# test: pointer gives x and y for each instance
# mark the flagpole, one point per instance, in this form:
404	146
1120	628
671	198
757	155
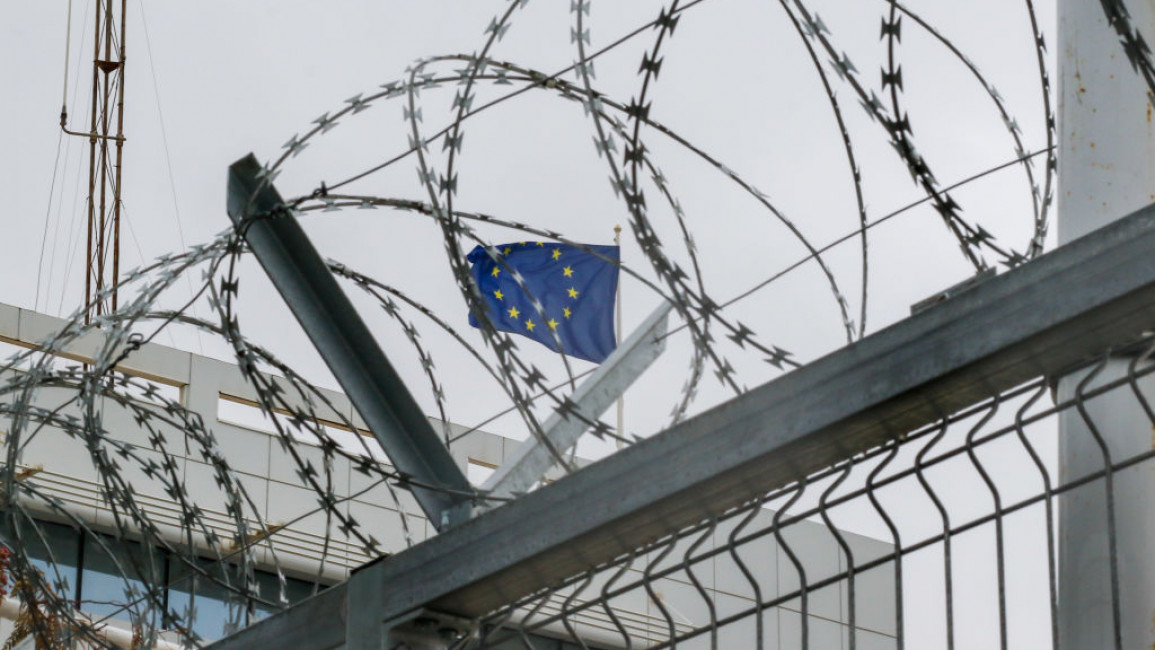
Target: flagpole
618	317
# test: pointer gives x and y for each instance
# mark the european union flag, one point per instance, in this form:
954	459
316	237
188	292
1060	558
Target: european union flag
576	290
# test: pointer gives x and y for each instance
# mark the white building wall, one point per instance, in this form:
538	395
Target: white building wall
268	475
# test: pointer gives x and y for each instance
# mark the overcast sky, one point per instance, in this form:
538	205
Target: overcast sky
210	81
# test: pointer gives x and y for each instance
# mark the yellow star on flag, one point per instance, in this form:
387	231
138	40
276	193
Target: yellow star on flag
571	314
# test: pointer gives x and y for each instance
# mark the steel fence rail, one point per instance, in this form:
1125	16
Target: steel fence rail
1040	320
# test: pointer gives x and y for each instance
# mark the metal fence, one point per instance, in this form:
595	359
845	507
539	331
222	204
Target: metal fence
939	437
969	507
974	476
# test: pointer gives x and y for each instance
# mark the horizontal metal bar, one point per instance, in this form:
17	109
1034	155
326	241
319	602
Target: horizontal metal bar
347	345
1035	320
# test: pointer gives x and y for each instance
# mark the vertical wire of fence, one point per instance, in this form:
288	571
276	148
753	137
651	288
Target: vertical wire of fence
946	537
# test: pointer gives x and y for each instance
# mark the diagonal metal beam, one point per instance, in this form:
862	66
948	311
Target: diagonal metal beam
1039	319
532	459
346	345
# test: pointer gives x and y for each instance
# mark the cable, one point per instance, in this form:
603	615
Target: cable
47	217
168	162
876	222
73	242
60	198
521	91
776	276
143	261
67	57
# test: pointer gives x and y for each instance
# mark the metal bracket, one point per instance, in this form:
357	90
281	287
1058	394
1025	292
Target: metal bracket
946	294
347	346
428	630
532	459
419	629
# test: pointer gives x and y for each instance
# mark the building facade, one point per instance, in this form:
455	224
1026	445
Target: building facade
74	533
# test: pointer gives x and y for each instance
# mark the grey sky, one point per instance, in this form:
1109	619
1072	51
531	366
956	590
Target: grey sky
229	78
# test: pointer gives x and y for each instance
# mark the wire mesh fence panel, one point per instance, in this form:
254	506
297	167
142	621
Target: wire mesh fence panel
952	536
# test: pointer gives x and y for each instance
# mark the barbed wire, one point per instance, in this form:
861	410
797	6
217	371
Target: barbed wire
84	405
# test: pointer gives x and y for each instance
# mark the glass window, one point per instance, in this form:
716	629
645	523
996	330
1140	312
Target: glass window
123	580
270	590
118	577
53	549
219	611
216	610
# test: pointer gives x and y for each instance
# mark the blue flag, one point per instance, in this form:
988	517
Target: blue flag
575	288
